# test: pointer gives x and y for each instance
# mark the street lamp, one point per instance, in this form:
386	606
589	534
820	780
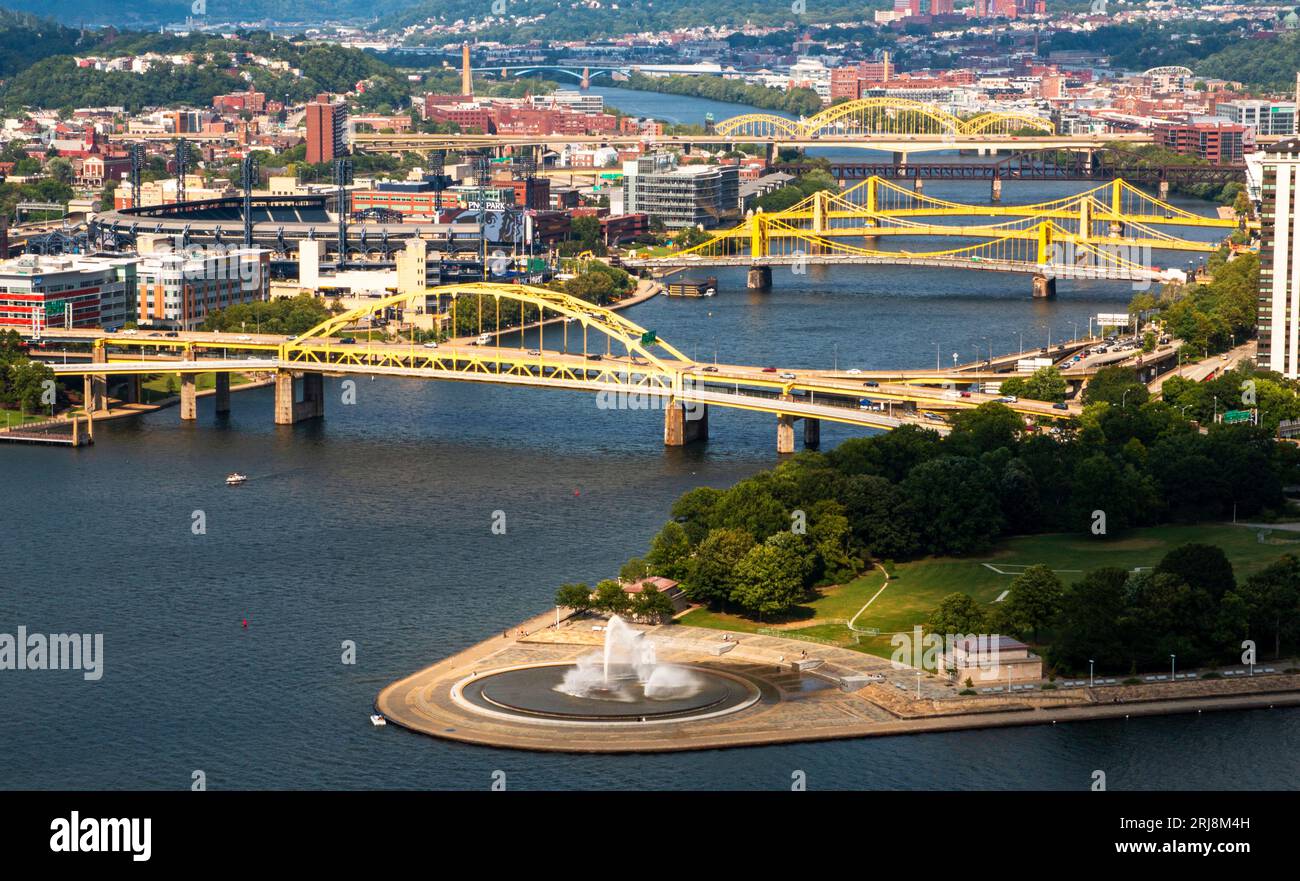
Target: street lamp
1123	399
1090	672
1171	666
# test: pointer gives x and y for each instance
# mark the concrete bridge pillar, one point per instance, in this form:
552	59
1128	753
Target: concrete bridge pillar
760	278
785	433
685	423
1164	191
312	406
812	433
995	195
189	397
1044	287
96	385
918	184
222	396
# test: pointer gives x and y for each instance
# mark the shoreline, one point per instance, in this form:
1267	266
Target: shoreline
791	713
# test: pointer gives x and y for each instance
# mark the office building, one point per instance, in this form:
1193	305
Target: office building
1265	117
66	291
178	290
692	195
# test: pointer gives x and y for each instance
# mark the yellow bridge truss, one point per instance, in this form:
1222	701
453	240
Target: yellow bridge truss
1111	227
882	116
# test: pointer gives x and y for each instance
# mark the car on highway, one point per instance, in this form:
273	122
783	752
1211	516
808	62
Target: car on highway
769	370
933	417
130	331
871	383
347	340
788	376
853	371
243	337
710	369
965	394
431	344
1060	405
594	357
535	352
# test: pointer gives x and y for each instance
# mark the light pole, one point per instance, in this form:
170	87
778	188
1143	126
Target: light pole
1171	666
918	684
1123	399
937	368
1090	672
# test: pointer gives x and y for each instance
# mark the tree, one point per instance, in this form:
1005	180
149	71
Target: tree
1272	598
1044	384
711	578
633	570
958	613
769	579
988	427
610	597
1117	386
670	552
750	506
652	605
1200	565
952	504
1034	601
574	596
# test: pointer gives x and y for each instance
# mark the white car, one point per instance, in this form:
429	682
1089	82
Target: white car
853	371
243	337
431	345
788	376
130	331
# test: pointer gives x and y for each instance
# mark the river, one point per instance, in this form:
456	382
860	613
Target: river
374	525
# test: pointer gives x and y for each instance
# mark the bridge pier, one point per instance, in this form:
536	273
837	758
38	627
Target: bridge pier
759	279
312	406
918	184
996	195
812	433
784	433
189	397
95	386
1164	191
685	423
1044	287
222	396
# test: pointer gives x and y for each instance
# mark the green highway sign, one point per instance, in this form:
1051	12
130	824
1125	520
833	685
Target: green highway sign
1233	416
55	307
648	338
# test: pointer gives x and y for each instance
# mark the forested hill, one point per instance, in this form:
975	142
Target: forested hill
564	19
26	39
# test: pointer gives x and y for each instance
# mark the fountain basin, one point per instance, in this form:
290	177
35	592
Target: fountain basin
536	693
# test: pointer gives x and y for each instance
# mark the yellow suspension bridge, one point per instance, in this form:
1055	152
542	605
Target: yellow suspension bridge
593	349
1107	232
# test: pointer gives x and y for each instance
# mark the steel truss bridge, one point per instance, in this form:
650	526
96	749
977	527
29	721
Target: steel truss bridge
1105	232
599	352
881	116
1045	166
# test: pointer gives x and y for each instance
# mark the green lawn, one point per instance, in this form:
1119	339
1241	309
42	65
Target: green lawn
919	586
14	418
155	388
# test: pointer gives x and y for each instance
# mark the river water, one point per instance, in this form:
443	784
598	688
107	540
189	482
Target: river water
374	525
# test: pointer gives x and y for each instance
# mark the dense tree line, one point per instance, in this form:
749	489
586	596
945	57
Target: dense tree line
1212	316
284	315
797	102
911	493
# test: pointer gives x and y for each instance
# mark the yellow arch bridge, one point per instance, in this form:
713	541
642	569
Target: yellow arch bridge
592	349
882	116
1107	232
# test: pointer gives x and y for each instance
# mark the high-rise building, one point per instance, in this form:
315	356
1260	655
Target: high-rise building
1278	311
66	291
327	131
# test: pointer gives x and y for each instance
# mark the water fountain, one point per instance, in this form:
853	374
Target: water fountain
626	669
623	681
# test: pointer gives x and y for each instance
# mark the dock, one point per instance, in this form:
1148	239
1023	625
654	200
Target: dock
75	432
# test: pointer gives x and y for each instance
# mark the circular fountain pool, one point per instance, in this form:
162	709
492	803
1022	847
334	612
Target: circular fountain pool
541	693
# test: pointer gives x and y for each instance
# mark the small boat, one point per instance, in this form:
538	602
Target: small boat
235	478
709	292
377	720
